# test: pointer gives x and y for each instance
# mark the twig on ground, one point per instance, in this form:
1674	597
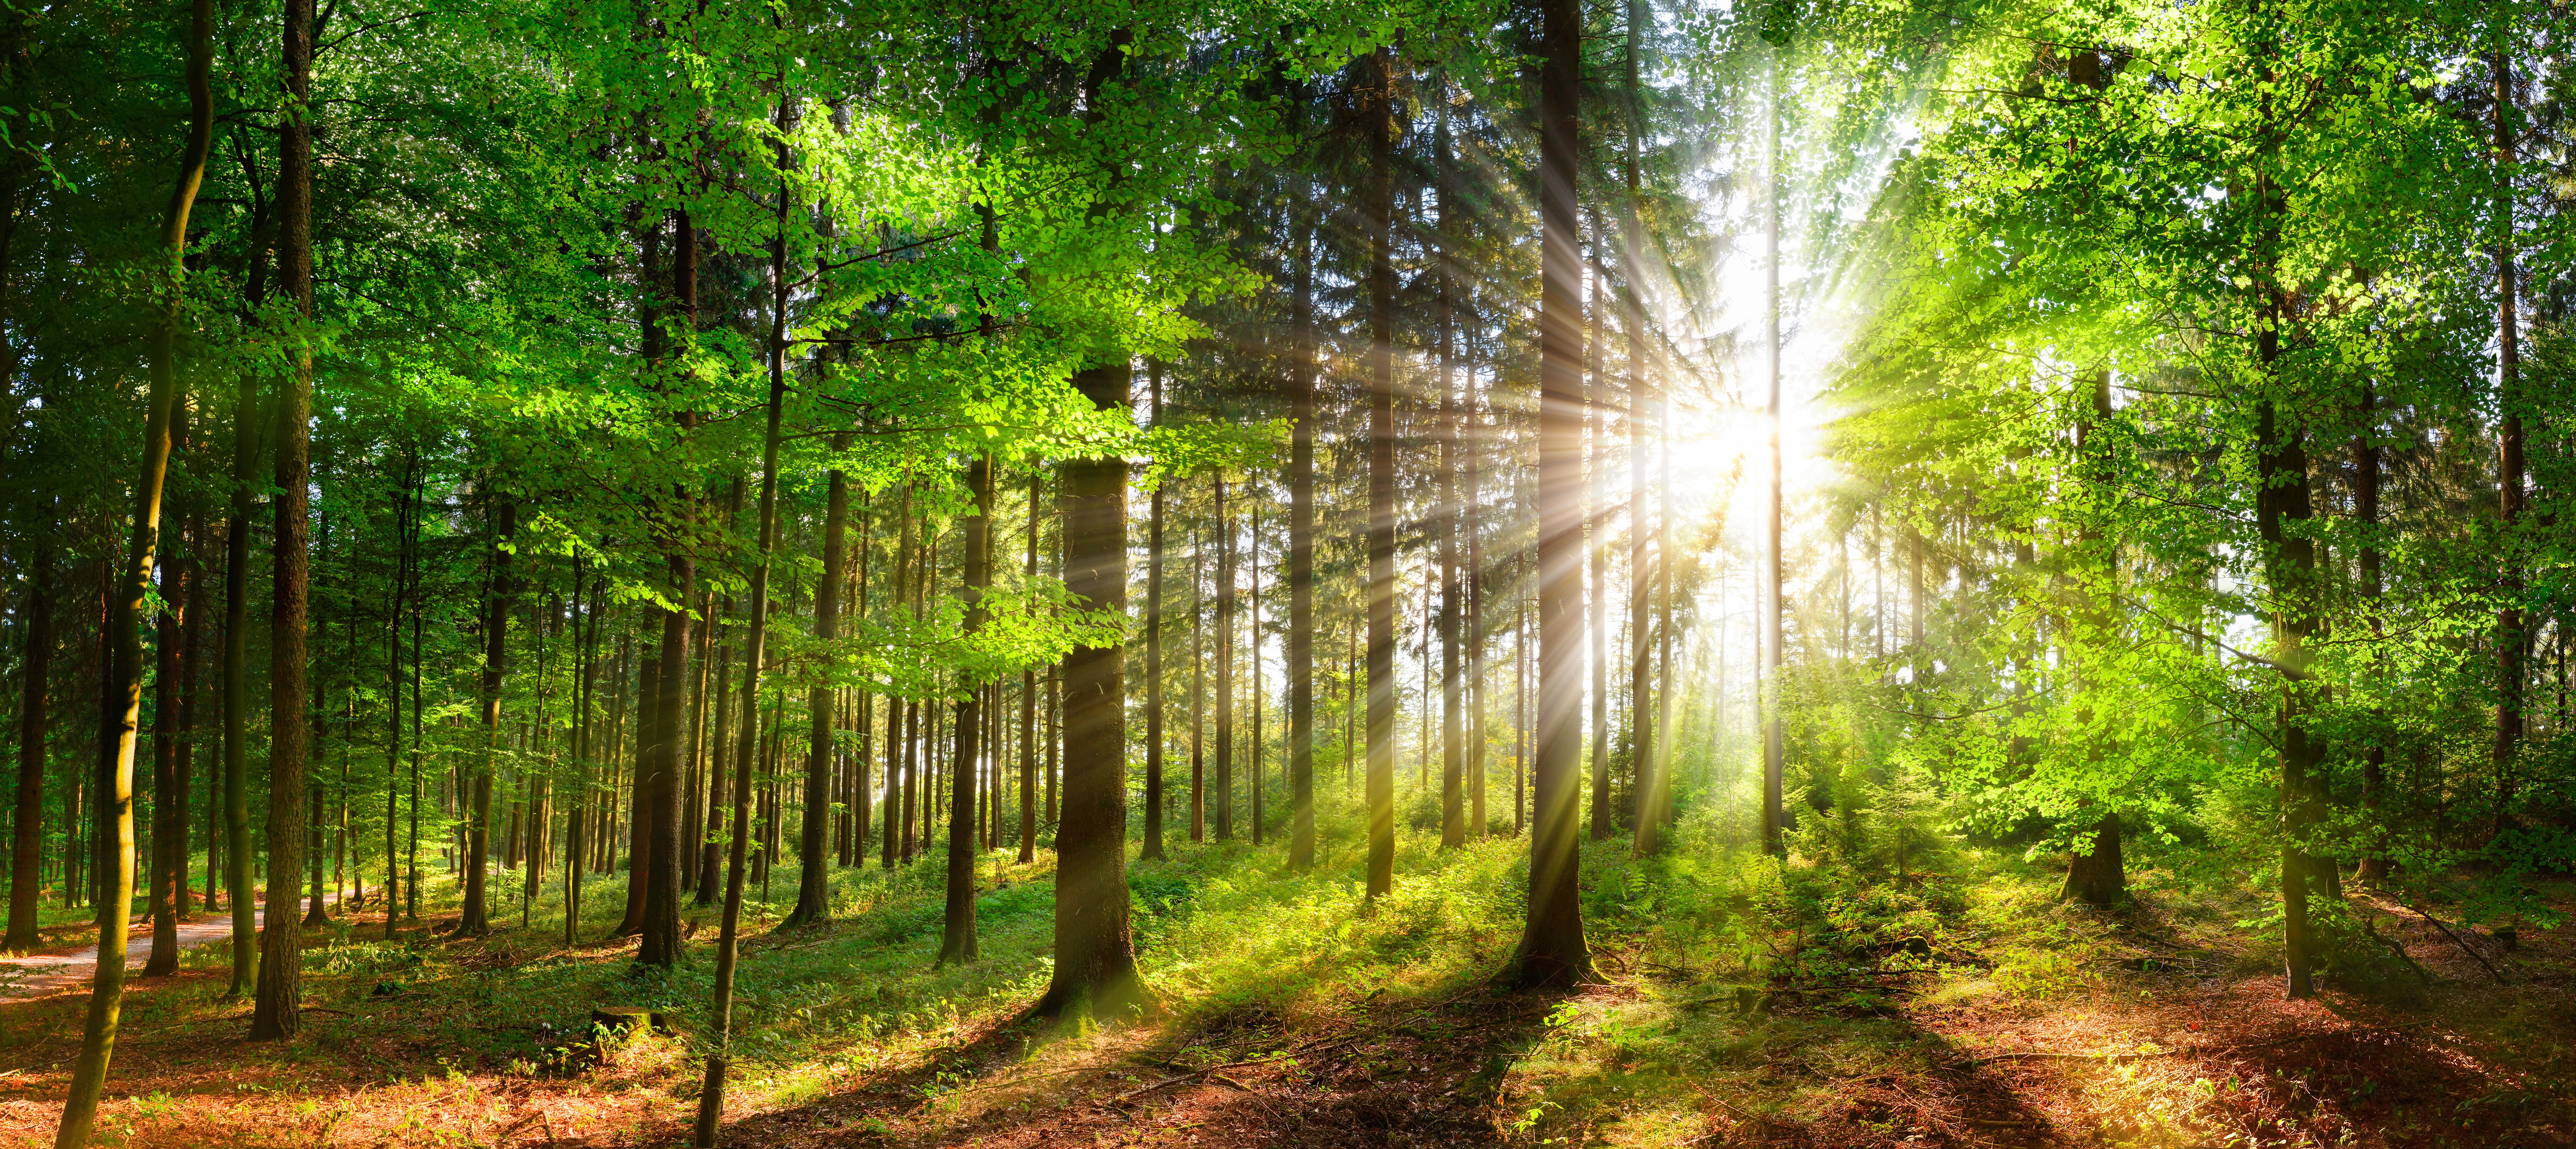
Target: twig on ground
2399	950
2455	940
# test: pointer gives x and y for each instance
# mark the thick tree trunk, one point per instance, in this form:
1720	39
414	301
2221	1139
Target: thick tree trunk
1376	80
281	965
1552	952
1095	955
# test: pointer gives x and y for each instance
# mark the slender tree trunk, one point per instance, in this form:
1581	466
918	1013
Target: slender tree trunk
1768	590
1596	522
1376	81
1453	779
169	790
1029	707
1300	645
1552	952
2510	635
1642	760
476	918
813	881
1154	645
2365	510
27	821
957	925
1198	692
639	831
1225	576
107	992
281	966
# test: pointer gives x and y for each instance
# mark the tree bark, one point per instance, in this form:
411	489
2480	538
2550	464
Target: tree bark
2510	635
1376	81
281	965
1154	646
1225	598
1768	591
1029	708
1095	955
1300	645
27	833
1453	792
475	918
2365	511
107	992
1552	952
957	922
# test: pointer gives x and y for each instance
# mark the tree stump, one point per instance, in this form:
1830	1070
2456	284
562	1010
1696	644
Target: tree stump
623	1018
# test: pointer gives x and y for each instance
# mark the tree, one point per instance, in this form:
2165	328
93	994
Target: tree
107	990
1552	952
276	1016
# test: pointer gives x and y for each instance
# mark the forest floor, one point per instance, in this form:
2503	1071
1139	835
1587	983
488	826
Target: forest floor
1737	1003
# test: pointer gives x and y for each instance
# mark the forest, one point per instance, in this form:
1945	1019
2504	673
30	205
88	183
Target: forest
1125	572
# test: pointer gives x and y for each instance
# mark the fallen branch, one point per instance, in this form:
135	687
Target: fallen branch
2455	940
2020	1055
2399	950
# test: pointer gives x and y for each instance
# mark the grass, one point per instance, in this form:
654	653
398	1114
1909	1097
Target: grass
1739	1001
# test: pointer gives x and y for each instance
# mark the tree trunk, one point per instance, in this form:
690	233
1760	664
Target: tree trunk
107	992
1375	79
639	831
2510	636
1768	592
2365	510
1642	758
169	788
957	923
1029	708
1224	668
281	965
1552	952
1300	643
1453	791
27	821
476	916
1154	646
1095	956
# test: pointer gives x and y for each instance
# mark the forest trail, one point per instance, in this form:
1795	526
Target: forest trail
36	975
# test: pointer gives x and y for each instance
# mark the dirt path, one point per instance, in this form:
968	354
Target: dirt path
35	975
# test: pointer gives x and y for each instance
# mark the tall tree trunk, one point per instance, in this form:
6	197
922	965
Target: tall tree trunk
813	898
1198	691
169	788
2281	511
1596	522
1154	644
281	965
957	923
2510	636
1453	792
639	832
2365	510
475	919
1648	781
107	992
1552	952
1769	593
1029	707
1095	955
1376	82
1225	597
657	790
27	820
1300	643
